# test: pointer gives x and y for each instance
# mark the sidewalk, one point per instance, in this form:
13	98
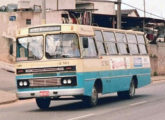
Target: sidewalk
7	97
157	78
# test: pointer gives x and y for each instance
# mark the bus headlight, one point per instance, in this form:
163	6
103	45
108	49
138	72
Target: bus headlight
22	83
25	83
65	82
69	81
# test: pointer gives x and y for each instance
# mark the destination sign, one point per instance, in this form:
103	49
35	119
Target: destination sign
44	29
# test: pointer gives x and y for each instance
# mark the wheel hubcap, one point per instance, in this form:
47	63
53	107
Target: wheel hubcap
132	89
94	96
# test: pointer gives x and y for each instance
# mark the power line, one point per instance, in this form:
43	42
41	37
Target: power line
143	10
116	2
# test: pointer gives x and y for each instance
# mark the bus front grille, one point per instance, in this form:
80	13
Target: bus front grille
45	82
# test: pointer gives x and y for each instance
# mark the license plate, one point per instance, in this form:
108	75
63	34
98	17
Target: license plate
44	93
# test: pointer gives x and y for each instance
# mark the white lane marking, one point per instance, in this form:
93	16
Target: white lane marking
138	103
81	117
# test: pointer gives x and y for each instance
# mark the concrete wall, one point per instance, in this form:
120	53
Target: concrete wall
55	4
157	58
104	8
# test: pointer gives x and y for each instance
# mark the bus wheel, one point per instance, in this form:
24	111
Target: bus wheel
93	99
130	93
43	103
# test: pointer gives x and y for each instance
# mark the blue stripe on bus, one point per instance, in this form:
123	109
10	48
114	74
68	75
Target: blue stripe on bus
113	81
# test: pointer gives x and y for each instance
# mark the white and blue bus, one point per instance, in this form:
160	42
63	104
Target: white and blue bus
80	61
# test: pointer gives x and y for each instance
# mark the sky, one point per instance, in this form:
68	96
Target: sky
153	6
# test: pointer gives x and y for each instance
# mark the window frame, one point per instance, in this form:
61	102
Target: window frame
28	22
142	44
132	43
43	49
81	47
125	42
103	42
109	42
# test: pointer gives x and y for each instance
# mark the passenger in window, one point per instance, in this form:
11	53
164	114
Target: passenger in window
74	50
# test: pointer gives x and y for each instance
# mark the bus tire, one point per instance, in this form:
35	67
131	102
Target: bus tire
93	99
43	103
130	93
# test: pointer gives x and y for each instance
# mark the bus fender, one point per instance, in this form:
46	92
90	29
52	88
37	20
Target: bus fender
90	84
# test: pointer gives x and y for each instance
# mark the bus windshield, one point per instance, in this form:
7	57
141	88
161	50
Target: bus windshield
30	48
62	46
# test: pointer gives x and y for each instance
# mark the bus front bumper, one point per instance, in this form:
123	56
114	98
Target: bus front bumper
50	93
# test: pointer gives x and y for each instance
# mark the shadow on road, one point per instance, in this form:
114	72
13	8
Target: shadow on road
109	100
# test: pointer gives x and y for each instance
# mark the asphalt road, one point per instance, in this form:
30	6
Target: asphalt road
149	104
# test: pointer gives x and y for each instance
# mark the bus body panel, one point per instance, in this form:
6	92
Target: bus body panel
114	71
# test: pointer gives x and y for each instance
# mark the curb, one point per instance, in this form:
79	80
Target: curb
157	78
7	97
6	66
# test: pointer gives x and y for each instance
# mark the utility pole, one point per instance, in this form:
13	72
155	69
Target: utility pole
43	12
57	5
144	8
118	14
144	3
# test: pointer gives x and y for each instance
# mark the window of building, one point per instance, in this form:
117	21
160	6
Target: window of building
28	21
100	42
141	44
91	50
110	42
12	18
121	43
132	44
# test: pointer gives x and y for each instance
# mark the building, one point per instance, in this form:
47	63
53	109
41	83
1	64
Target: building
130	13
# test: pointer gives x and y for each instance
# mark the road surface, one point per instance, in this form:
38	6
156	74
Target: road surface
149	104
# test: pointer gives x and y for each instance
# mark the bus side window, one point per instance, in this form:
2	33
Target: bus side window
110	42
132	44
91	50
141	44
121	43
100	43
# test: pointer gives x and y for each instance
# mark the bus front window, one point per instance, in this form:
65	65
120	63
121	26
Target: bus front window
62	46
30	48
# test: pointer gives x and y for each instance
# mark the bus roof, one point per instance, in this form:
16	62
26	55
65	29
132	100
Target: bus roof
67	28
117	30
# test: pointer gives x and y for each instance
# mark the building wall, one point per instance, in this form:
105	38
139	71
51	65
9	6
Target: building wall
104	8
157	57
85	6
52	4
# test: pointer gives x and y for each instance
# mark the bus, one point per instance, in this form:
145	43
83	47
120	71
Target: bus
80	61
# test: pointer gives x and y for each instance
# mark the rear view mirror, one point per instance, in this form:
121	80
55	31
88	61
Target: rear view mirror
85	42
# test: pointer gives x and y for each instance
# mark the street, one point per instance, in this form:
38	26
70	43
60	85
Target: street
148	104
